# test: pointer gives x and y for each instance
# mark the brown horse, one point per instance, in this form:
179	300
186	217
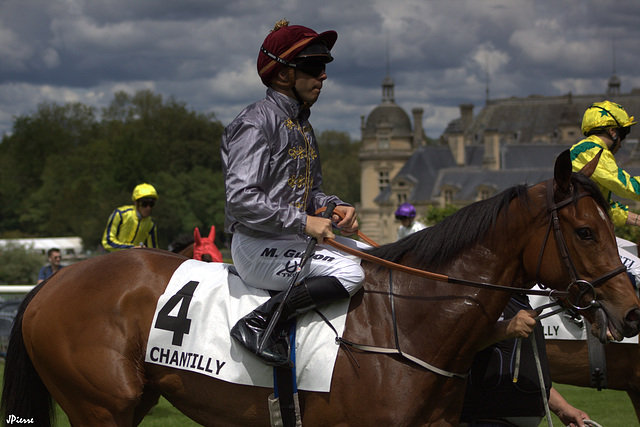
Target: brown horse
569	364
80	337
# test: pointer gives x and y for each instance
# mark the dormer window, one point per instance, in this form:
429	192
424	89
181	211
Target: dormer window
383	140
383	180
447	196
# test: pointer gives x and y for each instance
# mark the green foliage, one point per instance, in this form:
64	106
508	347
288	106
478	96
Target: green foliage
63	170
340	165
19	266
435	214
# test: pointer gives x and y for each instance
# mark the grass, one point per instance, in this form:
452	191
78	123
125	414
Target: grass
610	408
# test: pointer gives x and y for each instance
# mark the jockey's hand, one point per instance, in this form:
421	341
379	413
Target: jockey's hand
522	324
349	224
319	227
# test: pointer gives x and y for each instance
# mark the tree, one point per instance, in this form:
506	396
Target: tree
340	165
19	266
52	131
435	214
63	171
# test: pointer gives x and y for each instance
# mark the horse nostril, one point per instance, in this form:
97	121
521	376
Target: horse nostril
633	316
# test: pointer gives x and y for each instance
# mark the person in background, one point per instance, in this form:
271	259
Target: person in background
54	256
492	398
605	125
406	214
273	184
131	225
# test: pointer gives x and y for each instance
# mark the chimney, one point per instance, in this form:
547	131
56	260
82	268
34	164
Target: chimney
466	116
491	160
456	145
417	127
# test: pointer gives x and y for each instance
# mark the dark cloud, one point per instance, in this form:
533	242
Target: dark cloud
440	53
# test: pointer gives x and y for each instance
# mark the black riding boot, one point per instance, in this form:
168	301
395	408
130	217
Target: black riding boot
306	295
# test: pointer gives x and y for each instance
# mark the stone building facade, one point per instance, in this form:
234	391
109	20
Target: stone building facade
510	141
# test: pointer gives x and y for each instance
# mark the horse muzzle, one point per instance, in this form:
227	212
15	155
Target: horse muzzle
609	328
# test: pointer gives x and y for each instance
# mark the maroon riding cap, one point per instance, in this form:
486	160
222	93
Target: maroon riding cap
284	43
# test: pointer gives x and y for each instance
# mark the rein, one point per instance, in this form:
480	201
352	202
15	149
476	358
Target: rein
554	223
439	277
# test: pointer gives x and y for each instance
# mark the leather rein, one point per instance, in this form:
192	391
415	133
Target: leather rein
554	223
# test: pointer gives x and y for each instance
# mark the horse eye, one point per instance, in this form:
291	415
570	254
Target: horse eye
584	233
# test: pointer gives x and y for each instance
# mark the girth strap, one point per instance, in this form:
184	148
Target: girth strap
396	350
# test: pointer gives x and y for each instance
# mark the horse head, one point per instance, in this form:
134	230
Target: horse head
204	249
586	253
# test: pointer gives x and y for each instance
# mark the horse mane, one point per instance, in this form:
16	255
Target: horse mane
436	246
181	242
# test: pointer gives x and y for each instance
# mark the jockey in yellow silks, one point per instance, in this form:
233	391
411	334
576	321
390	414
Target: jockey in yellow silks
605	125
131	225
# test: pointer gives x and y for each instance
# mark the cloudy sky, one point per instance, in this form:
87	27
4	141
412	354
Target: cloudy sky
440	53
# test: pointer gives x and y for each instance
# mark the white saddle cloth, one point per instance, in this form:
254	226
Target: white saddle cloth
192	332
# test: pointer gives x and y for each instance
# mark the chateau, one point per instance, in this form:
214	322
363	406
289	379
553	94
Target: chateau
509	142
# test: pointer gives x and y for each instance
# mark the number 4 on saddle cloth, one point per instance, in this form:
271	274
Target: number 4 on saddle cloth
202	302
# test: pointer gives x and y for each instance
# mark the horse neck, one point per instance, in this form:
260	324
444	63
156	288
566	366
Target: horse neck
444	323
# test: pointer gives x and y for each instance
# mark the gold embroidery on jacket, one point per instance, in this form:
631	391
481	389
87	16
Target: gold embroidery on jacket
307	153
290	124
297	181
301	152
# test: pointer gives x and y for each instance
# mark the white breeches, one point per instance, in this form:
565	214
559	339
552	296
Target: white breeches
271	263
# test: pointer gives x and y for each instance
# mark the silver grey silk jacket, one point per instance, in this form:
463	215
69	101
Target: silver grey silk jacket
271	169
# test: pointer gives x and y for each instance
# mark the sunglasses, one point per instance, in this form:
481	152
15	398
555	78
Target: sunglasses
314	68
147	203
623	133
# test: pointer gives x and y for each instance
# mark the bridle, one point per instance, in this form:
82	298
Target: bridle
583	286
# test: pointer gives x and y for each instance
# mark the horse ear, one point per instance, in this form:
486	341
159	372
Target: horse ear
196	236
562	171
212	234
588	169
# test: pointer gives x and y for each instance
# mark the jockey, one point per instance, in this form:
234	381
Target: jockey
131	225
406	214
606	124
273	187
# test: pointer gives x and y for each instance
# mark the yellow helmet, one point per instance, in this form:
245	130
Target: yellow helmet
144	190
605	115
